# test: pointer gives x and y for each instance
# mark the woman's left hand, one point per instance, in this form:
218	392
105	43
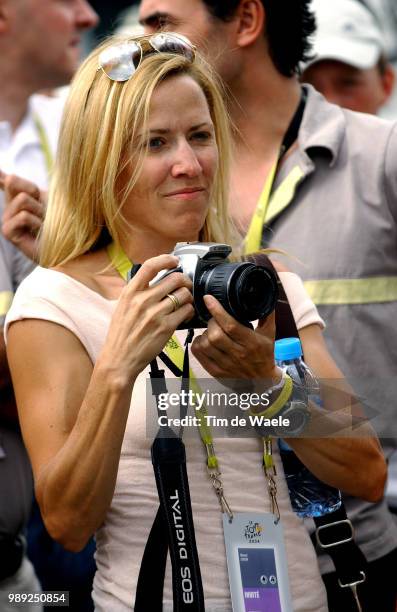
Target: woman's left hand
228	349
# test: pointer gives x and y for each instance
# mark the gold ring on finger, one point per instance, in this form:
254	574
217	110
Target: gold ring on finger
175	302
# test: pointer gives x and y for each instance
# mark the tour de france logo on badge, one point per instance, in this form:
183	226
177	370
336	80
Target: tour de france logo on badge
253	532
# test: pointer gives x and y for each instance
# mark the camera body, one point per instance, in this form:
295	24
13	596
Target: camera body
247	292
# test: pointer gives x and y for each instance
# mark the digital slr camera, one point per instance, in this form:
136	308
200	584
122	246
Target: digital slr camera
246	291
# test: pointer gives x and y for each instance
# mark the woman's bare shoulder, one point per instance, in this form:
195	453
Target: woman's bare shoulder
96	272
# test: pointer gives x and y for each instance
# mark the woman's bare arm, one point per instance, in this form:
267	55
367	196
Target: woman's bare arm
73	420
73	415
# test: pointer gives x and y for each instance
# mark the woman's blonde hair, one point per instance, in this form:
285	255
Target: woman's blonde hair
100	135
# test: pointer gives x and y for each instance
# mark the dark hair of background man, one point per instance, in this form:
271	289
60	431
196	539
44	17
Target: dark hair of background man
289	24
108	13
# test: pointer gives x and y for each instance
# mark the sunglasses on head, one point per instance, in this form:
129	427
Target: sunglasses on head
120	62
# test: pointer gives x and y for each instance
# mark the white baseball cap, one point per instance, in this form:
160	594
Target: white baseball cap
347	32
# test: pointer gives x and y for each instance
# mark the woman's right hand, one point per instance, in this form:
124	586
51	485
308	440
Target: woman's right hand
144	319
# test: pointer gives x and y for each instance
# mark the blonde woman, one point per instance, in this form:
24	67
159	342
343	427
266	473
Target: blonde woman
143	164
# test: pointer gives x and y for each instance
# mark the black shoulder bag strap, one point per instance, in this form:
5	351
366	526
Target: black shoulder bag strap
334	532
173	527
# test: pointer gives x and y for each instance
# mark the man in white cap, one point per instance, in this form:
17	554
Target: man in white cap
386	13
349	66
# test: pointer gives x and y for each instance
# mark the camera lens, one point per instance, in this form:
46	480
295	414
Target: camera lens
248	292
254	292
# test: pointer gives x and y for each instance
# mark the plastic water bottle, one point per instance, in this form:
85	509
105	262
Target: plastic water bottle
309	496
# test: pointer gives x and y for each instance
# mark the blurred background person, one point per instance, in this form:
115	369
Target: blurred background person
349	65
386	13
40	50
43	56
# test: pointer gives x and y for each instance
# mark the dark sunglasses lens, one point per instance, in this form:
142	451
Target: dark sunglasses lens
170	43
120	61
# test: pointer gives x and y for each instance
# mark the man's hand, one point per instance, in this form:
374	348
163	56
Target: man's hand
23	213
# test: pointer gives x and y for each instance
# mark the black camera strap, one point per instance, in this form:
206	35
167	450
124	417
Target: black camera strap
169	463
173	527
149	590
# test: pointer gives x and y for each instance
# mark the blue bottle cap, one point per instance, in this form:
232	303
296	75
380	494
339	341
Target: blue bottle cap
287	348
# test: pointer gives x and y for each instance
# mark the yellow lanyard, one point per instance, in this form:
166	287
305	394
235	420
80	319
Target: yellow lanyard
267	208
44	143
253	238
270	205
